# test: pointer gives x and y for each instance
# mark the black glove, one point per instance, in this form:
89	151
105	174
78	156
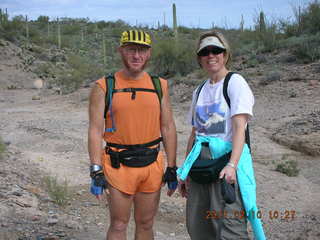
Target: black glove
98	182
170	177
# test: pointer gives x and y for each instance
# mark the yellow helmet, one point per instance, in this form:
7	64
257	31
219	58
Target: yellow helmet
135	36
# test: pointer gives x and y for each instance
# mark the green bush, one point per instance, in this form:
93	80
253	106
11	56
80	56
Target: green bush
306	47
307	52
77	70
59	193
14	29
289	167
310	18
2	148
307	20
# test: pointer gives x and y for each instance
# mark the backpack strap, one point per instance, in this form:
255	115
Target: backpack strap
226	97
157	86
110	84
110	90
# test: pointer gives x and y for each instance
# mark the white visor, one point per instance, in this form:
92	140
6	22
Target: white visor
210	41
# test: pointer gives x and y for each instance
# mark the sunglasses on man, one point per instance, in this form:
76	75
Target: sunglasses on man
206	51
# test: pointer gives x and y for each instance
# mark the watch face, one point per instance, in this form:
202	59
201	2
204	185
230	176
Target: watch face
95	168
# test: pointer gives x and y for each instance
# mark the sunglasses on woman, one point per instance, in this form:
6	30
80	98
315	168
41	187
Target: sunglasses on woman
206	51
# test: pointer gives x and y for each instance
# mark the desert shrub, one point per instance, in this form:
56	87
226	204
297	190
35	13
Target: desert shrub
70	29
310	18
78	71
59	193
2	147
44	70
289	167
305	48
12	30
270	77
307	20
171	57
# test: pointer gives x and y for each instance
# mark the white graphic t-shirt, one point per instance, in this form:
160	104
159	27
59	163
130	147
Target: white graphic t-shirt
212	116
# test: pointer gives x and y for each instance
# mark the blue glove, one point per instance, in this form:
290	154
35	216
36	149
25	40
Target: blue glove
170	177
98	183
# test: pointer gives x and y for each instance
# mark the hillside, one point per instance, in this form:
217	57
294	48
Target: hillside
46	139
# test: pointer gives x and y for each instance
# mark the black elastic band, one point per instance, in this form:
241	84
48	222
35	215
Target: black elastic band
134	146
134	90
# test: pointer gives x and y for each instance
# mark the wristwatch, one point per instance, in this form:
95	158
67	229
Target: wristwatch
94	168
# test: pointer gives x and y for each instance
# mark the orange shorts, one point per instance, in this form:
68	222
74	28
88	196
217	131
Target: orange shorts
131	180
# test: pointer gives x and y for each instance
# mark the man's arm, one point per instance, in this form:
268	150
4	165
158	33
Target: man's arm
168	130
96	124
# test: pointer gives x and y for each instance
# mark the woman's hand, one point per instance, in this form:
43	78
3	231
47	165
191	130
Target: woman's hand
229	173
183	187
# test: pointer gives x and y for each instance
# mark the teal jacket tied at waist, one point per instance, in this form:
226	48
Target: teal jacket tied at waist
245	176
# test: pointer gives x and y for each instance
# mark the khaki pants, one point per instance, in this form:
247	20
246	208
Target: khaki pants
210	218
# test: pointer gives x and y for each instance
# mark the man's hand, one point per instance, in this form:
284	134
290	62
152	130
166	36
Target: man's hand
98	184
170	177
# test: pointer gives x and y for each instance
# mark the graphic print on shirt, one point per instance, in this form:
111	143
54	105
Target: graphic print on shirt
210	118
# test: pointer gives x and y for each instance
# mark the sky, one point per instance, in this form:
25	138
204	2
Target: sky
190	13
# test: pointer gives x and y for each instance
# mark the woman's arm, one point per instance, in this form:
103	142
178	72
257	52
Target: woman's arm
239	123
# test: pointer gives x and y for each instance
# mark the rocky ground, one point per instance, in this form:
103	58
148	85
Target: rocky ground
46	139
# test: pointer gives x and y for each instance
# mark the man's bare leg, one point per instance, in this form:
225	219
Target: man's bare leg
145	210
119	207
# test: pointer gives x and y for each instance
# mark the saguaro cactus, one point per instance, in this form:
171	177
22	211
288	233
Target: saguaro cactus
27	29
241	23
3	16
48	29
174	13
59	34
262	23
104	50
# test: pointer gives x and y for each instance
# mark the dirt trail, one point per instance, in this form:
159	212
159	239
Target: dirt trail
51	134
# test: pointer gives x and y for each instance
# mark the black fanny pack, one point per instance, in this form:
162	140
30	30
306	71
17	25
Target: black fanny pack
139	157
206	169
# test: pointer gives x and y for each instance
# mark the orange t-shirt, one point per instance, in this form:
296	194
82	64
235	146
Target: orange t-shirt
137	121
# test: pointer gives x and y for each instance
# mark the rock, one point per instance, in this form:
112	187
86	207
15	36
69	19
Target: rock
38	83
314	83
270	77
52	220
35	97
35	218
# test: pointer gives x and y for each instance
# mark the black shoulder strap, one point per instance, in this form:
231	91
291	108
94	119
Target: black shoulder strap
225	88
226	97
199	90
196	100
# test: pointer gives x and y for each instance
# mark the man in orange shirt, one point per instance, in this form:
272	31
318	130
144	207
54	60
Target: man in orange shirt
137	118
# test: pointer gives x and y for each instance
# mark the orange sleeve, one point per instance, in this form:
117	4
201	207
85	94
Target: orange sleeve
102	83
